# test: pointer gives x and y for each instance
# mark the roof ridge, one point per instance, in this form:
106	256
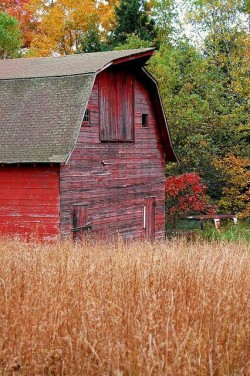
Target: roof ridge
80	54
69	64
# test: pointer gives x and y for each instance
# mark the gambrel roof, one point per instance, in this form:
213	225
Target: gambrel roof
43	100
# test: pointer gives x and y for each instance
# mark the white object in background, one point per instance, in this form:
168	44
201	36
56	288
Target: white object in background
217	223
144	216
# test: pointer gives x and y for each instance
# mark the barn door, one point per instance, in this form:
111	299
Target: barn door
80	224
149	218
116	100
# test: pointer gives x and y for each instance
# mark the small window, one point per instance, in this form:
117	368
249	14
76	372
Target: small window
144	120
86	118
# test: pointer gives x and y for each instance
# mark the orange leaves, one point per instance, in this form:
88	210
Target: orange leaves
106	13
61	25
20	9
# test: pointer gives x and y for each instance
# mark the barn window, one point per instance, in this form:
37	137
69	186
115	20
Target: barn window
86	118
144	120
116	89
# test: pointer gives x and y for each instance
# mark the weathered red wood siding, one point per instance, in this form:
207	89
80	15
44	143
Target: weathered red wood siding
114	178
116	101
29	201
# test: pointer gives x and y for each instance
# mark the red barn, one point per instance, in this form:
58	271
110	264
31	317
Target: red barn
83	146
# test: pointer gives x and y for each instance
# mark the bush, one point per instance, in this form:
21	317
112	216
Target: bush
185	195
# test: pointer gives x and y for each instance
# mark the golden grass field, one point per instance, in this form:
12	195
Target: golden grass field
173	308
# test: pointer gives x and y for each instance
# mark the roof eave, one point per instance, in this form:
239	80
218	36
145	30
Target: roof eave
143	56
168	148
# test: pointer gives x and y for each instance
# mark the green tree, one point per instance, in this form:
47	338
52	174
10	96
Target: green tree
10	36
190	93
90	41
133	41
132	17
247	6
223	24
167	22
205	91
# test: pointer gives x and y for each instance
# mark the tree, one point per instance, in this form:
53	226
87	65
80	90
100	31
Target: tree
190	96
133	41
223	26
205	93
97	36
185	195
10	36
247	6
90	41
236	190
63	25
167	23
20	10
132	17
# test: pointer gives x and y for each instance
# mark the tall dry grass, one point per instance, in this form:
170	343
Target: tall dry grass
113	309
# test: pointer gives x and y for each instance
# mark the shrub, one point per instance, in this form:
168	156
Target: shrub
185	195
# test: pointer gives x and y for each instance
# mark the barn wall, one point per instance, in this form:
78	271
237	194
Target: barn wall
114	178
29	201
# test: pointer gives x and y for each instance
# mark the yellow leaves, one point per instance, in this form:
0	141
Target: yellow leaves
63	22
236	191
106	13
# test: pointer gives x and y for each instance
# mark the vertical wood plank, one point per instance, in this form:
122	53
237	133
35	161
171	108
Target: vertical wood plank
150	218
108	106
125	106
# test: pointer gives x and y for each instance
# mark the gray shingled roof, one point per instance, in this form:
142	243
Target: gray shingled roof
40	117
42	103
62	66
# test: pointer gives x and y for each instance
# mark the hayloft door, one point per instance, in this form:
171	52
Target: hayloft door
149	218
80	224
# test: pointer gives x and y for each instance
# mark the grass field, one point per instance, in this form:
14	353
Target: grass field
174	308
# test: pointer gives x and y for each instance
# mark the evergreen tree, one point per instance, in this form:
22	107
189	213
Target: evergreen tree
91	41
132	17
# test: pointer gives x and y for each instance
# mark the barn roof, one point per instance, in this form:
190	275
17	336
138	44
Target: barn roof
43	100
40	117
66	65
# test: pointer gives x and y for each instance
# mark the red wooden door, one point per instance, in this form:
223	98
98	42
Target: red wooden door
149	218
125	106
80	221
116	100
108	106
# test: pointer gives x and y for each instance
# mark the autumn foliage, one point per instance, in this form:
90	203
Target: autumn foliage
185	194
64	24
236	190
26	18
